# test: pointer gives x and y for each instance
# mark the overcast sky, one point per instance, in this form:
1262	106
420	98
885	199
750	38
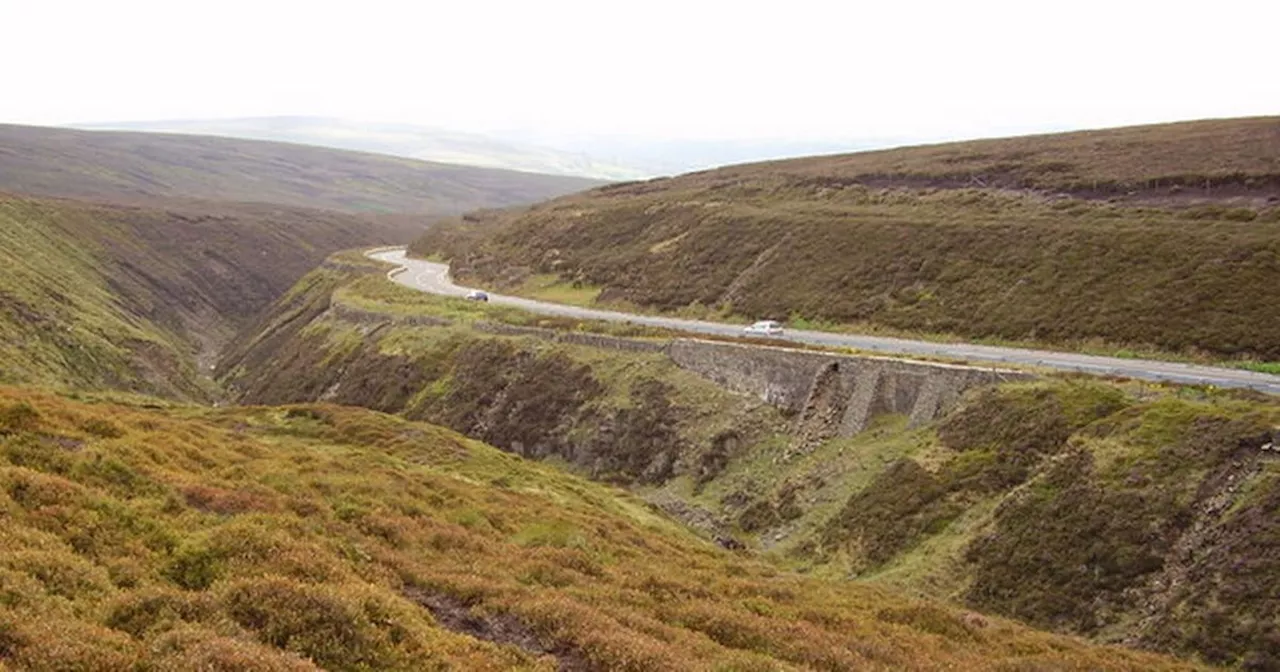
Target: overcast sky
688	68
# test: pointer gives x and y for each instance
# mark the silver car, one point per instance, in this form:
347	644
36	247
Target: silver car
764	328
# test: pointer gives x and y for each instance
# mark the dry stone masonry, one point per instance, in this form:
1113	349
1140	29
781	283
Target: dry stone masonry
833	394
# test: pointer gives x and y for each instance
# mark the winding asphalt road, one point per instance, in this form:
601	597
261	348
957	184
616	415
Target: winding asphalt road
433	277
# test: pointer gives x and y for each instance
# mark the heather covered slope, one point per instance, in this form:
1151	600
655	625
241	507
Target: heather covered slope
1122	511
138	298
1163	237
121	166
310	537
1211	158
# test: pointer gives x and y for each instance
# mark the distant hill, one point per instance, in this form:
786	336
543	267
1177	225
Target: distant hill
1211	158
596	155
659	156
123	167
141	298
1155	236
415	142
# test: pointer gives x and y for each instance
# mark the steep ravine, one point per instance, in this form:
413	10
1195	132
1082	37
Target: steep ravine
1118	511
141	298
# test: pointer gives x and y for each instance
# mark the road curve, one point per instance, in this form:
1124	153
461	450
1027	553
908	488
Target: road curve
434	278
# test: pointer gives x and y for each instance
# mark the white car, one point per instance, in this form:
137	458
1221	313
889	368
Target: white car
764	328
477	295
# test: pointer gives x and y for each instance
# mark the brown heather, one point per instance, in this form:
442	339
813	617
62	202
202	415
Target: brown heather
305	537
1121	511
1160	237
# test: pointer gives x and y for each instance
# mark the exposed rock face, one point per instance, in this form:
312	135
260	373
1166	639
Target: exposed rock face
826	406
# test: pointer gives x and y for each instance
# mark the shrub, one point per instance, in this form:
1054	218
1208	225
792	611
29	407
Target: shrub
331	626
188	648
930	618
195	566
33	490
143	612
102	428
223	501
1013	429
19	417
902	505
1240	215
115	475
11	637
55	644
62	573
556	533
1063	554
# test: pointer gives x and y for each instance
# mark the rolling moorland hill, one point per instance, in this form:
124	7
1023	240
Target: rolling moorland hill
325	537
186	239
1162	238
126	167
142	533
414	142
1124	512
602	156
141	298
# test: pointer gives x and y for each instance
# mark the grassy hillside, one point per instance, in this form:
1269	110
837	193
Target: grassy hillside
119	166
1125	512
624	417
200	234
323	537
139	297
1158	237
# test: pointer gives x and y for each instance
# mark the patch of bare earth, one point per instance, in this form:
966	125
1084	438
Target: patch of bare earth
454	614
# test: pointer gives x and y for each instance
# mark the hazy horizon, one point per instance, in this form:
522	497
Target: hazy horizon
599	156
681	71
539	135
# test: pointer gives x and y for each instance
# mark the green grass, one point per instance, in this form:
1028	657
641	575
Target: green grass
59	320
937	567
139	298
1272	368
549	287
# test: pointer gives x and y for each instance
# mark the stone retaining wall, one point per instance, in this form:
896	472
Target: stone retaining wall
819	386
830	394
